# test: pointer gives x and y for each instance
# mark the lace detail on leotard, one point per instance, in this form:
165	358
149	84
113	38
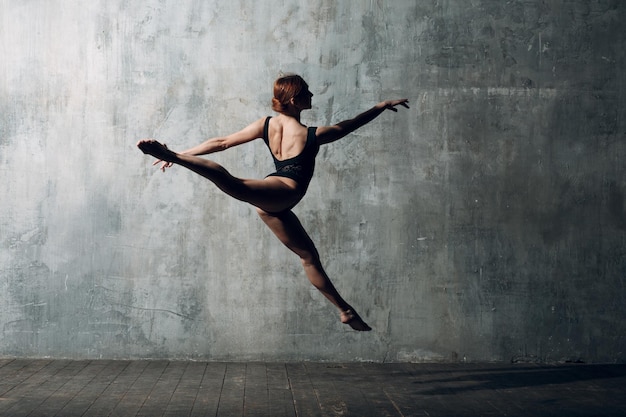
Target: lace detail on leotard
292	169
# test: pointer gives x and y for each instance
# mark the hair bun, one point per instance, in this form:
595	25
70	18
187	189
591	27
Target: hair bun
277	105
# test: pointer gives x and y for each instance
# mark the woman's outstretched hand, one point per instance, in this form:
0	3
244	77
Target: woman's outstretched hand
158	150
391	104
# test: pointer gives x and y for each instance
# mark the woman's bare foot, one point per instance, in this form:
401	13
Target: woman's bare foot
351	318
156	149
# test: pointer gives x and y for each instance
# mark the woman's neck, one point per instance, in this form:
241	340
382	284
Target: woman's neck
295	114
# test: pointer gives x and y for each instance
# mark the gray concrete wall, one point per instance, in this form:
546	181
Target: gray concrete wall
486	223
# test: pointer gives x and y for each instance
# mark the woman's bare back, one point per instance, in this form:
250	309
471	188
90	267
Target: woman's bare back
287	137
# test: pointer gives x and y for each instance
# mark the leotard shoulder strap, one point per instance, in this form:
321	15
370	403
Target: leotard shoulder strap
266	130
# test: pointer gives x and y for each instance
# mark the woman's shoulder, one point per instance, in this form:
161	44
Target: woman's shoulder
286	125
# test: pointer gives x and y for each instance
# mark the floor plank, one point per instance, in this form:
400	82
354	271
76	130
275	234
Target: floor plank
184	396
303	392
331	401
256	398
139	391
371	387
163	390
208	396
232	394
281	401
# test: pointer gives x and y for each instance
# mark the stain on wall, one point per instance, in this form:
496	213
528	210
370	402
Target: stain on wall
486	223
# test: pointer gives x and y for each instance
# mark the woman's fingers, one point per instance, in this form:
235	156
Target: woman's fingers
391	104
164	164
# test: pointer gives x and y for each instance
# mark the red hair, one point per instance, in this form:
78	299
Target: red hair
286	87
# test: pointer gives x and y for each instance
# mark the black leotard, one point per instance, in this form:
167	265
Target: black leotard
299	168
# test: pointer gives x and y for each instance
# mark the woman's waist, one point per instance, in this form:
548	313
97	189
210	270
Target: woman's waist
298	178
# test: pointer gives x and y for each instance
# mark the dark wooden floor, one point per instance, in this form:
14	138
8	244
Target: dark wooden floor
162	388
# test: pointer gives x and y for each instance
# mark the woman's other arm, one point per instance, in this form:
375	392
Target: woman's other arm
329	134
218	144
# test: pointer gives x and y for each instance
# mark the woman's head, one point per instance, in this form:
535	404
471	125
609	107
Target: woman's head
289	90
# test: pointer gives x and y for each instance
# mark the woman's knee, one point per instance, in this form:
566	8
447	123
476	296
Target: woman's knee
291	234
309	258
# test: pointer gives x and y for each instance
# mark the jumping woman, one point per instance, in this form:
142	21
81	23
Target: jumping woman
294	148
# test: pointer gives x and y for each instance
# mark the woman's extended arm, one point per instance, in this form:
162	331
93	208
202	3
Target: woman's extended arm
329	134
218	144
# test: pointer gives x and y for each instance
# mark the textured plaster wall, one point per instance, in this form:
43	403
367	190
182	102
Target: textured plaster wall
486	223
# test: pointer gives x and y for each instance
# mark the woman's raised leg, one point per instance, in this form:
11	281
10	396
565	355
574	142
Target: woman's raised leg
287	227
271	194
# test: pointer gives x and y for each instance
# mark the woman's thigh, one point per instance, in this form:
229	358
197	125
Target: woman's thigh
272	194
